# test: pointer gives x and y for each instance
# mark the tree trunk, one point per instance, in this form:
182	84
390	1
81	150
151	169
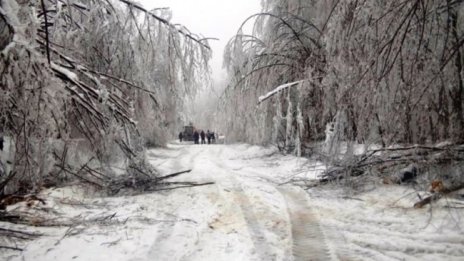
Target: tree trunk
443	114
6	33
457	89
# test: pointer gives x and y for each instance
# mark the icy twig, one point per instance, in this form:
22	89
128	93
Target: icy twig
4	231
12	248
185	185
174	174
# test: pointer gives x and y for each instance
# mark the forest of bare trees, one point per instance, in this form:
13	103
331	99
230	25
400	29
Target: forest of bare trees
357	108
371	72
382	71
77	99
86	86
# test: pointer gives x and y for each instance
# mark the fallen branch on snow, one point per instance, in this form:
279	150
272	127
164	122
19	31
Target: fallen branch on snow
185	185
394	162
174	174
12	248
146	182
17	235
439	195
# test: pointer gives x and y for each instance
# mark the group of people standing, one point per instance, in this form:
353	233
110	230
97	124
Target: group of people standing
199	136
209	135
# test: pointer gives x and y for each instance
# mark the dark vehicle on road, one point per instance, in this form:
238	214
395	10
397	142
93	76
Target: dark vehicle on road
188	133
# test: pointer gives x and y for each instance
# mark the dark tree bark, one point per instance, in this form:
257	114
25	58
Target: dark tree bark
6	33
457	90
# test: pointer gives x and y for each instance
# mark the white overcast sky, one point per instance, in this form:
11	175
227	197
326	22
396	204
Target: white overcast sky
210	18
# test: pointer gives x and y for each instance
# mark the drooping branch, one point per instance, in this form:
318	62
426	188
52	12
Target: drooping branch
277	90
259	69
295	33
164	21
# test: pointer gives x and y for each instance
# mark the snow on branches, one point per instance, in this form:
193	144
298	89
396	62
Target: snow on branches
87	84
392	69
276	90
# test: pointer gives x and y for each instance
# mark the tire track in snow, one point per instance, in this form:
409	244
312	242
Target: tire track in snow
255	229
184	159
308	238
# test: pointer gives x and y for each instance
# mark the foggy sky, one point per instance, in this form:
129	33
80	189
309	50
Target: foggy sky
210	18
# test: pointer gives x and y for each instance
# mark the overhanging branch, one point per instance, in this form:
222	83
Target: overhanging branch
166	22
277	90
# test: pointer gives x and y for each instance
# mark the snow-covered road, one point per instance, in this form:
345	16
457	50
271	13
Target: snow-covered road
254	218
245	215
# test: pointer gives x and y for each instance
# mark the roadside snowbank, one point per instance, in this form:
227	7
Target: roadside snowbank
381	224
245	215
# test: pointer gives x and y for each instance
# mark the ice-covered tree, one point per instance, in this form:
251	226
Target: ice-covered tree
284	43
86	84
383	72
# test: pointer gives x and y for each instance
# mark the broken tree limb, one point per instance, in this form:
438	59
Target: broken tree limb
174	175
439	195
393	162
12	234
24	233
136	168
98	177
428	200
11	248
86	180
185	186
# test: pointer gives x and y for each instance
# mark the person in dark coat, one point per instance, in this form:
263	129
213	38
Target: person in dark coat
202	134
181	136
196	136
208	135
213	137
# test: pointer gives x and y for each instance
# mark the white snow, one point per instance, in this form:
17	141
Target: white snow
70	75
6	155
381	224
245	215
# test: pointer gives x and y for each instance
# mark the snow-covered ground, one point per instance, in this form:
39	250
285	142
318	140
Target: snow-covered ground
250	213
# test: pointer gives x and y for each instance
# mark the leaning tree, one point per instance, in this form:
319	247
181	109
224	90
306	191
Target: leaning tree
85	85
379	71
